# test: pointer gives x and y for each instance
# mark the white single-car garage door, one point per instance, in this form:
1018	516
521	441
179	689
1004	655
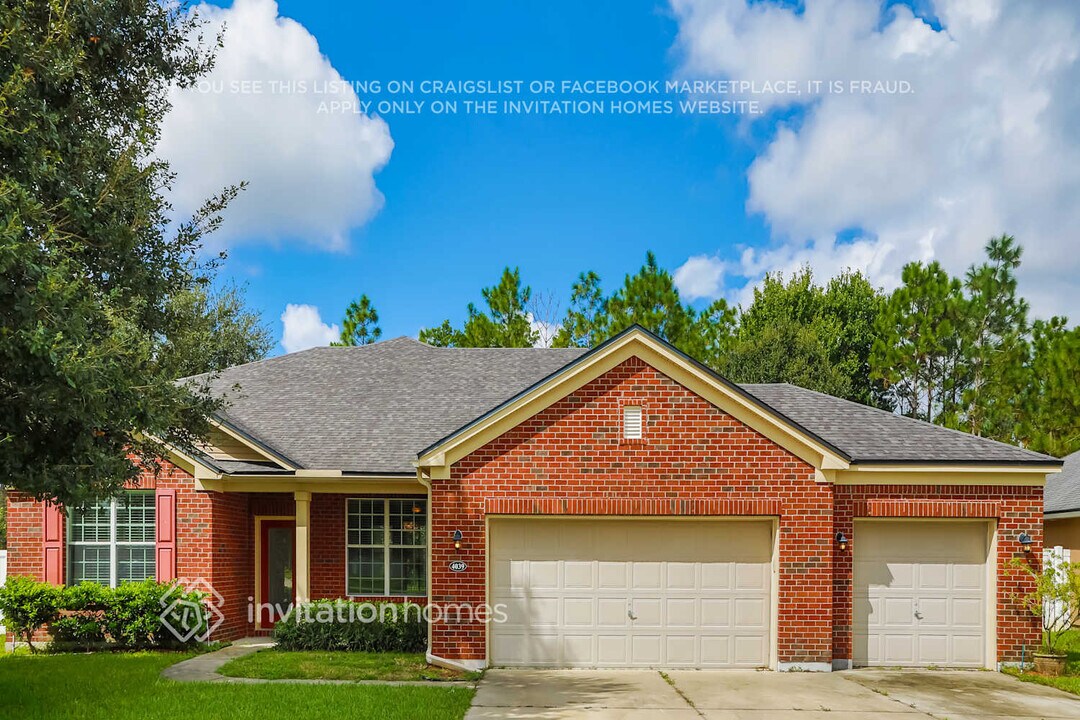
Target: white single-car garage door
920	592
631	593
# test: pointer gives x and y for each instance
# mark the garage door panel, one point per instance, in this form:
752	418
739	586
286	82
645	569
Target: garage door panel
899	612
715	612
579	574
632	593
681	576
645	650
750	650
646	576
611	612
934	612
716	651
967	649
751	577
968	613
579	649
919	592
681	612
578	611
898	649
717	576
933	576
751	612
612	650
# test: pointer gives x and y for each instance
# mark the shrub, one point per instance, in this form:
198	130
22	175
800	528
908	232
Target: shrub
81	625
28	605
133	615
355	626
89	615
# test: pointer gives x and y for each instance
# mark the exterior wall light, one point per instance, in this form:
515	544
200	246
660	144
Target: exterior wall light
1025	540
842	541
457	539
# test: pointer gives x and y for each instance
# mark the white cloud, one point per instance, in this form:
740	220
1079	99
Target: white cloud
310	173
988	142
700	276
303	328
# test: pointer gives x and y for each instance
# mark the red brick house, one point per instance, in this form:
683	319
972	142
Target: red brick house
623	506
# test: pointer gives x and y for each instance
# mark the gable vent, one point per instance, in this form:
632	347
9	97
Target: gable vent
631	422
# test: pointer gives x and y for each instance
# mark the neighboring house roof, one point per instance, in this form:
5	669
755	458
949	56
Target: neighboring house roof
1062	492
371	409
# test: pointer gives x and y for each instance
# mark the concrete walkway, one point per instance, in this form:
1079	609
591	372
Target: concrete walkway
753	695
204	668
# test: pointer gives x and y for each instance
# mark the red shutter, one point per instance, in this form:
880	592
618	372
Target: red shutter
53	535
165	550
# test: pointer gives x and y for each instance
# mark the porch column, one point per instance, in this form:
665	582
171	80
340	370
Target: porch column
302	581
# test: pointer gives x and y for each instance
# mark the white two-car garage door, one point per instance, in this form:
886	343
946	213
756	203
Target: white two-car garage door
920	592
631	593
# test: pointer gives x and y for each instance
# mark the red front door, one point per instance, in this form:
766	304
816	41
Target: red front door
278	562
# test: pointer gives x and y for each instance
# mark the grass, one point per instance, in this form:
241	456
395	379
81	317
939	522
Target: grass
1070	681
127	686
325	665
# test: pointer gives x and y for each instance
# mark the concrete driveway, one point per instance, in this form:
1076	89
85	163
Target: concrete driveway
751	695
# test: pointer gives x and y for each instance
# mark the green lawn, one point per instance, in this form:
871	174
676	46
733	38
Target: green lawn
279	664
127	686
1070	681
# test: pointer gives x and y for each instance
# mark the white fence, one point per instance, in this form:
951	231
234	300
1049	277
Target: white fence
1055	557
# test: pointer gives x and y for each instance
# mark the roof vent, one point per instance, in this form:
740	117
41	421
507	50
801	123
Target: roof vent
631	422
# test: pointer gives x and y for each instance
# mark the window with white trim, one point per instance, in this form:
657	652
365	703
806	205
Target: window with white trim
385	546
631	422
112	541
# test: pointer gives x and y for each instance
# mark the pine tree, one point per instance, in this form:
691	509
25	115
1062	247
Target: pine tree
360	326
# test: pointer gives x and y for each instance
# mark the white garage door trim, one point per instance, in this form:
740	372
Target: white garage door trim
772	571
920	528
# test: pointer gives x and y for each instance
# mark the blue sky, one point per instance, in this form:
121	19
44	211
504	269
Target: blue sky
555	195
464	196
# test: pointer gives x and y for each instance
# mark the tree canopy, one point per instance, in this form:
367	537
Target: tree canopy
505	323
104	297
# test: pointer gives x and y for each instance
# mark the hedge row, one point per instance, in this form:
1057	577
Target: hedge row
91	616
358	626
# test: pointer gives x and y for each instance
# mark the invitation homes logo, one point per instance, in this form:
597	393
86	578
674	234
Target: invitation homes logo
345	611
191	610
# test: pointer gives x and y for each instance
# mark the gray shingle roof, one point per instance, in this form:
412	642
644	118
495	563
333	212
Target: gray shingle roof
1062	492
868	434
371	409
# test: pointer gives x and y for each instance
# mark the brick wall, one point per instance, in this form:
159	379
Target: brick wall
693	459
213	540
1016	509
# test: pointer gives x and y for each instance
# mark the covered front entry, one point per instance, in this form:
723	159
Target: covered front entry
921	592
603	592
276	578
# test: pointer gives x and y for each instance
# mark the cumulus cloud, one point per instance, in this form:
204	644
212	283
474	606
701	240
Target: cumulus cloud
303	328
700	277
987	142
311	174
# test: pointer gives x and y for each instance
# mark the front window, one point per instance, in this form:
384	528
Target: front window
386	547
112	541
